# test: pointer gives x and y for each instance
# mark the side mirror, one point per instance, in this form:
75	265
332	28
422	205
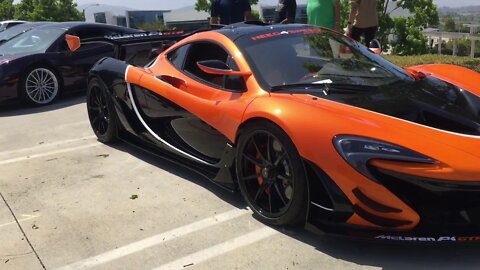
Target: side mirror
73	42
218	67
375	46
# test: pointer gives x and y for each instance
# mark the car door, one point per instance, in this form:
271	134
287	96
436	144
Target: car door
190	110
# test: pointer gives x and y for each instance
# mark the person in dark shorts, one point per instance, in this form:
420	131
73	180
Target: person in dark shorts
230	11
285	11
363	20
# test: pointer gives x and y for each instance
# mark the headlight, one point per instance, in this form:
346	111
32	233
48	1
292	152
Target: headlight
357	151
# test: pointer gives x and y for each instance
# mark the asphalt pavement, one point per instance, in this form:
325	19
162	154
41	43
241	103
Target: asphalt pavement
70	202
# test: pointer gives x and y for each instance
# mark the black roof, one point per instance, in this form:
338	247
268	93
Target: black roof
30	24
69	25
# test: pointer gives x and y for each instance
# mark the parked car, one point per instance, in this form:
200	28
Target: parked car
311	127
37	65
4	25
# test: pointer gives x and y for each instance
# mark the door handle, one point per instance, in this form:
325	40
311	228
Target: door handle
173	81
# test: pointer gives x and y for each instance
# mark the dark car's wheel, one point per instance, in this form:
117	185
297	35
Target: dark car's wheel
39	86
101	112
271	175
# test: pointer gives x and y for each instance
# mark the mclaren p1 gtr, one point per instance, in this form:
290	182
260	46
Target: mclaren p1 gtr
310	126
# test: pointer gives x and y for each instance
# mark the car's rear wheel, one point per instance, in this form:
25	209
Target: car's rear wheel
271	175
101	112
40	86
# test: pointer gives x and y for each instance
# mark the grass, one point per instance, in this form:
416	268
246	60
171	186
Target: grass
403	61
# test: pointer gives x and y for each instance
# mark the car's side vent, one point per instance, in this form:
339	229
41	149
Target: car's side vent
381	221
370	203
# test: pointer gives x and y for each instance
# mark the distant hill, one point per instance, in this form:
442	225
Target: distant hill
460	10
461	15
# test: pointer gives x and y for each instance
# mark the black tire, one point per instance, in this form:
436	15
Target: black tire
101	112
39	86
271	175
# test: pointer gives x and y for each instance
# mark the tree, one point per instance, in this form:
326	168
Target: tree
23	8
410	39
7	9
48	10
205	5
344	13
407	30
449	24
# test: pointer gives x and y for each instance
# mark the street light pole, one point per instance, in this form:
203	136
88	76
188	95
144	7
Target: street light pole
83	11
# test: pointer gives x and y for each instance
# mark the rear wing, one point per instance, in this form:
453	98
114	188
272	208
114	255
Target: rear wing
137	49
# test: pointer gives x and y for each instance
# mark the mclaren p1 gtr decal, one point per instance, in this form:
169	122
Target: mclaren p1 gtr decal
428	239
289	32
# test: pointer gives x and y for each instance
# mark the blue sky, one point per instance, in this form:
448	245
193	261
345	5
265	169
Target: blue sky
172	4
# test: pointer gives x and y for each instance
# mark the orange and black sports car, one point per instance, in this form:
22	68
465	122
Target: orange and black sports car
312	128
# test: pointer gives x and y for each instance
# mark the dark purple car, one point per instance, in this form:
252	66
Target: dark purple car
37	65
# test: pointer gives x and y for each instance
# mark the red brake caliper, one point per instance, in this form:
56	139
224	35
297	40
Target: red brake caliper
258	170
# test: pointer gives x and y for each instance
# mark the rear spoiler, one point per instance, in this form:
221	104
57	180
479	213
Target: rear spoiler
136	48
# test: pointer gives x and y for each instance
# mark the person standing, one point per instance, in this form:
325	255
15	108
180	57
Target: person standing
285	11
324	13
363	20
230	11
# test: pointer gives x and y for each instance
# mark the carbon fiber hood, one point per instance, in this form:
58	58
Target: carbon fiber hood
430	101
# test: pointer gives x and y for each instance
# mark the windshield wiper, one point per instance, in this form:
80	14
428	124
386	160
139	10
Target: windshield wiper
3	40
326	87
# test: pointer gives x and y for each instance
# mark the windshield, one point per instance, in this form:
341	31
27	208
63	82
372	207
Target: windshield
315	56
34	41
14	31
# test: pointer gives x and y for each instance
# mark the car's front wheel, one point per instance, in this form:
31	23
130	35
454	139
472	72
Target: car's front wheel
101	112
40	86
271	175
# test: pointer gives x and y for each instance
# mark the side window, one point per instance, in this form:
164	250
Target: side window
234	83
205	51
177	57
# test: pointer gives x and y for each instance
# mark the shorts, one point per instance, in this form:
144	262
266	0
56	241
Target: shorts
369	34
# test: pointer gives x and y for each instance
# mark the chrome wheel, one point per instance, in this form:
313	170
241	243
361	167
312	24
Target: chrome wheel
41	86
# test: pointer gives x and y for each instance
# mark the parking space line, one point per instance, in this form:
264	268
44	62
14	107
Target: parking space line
26	217
46	145
220	249
13	160
155	240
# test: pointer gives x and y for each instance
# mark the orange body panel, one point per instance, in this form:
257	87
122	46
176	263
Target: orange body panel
460	76
221	109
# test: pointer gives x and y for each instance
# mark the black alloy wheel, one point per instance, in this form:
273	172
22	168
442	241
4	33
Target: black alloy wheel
271	175
101	112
